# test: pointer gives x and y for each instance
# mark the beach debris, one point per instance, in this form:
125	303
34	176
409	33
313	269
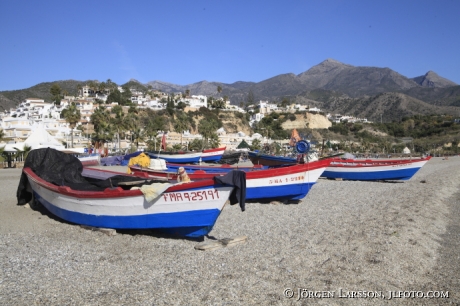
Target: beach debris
221	243
423	181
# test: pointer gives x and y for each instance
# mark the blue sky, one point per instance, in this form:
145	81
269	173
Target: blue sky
184	42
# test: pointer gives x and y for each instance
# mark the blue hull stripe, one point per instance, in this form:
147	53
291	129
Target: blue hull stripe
289	192
191	223
403	174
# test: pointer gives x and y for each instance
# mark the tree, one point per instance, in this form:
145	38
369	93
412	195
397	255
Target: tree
251	98
99	118
80	89
214	141
23	152
2	135
207	128
256	145
181	124
220	104
196	144
55	91
285	102
118	121
219	89
181	105
72	117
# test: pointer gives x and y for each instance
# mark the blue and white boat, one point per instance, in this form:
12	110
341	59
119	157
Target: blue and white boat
374	170
107	199
212	155
282	183
177	157
208	168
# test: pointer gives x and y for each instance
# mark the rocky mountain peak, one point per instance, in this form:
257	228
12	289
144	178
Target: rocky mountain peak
432	79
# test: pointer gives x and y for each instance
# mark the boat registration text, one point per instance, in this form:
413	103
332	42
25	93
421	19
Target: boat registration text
286	179
210	194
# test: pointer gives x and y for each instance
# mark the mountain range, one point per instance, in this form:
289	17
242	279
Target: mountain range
370	92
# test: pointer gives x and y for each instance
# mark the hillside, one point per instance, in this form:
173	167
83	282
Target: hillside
313	121
432	79
331	85
12	98
233	122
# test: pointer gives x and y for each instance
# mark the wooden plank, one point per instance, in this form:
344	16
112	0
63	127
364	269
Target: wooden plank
233	241
209	245
221	243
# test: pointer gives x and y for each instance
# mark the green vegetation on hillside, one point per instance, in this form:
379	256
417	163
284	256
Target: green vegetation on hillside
430	133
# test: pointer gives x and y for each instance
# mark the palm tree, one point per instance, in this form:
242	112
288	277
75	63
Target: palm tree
207	128
79	89
72	117
93	86
23	152
131	123
181	124
2	135
118	121
99	118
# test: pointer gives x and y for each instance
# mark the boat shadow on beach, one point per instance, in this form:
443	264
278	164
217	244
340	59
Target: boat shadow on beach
366	181
156	233
391	182
274	202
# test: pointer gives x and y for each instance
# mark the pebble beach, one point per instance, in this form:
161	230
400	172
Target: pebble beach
345	243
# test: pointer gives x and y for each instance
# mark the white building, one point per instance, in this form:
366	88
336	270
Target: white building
195	101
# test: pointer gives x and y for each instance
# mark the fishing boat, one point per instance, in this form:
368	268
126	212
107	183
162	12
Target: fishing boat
281	183
373	170
210	168
99	198
302	151
93	159
212	155
87	159
271	160
177	157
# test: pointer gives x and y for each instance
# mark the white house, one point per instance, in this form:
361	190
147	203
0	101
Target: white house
195	101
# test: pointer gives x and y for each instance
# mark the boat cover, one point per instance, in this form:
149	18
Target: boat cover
236	178
112	160
63	169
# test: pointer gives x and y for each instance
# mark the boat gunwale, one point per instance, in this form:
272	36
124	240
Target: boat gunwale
263	173
353	163
116	192
214	150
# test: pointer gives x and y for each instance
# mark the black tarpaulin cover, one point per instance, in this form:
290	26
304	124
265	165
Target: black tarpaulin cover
62	169
236	178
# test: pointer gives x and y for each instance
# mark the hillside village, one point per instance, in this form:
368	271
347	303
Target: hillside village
33	113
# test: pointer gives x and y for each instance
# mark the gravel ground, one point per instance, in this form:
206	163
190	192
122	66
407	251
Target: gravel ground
343	237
